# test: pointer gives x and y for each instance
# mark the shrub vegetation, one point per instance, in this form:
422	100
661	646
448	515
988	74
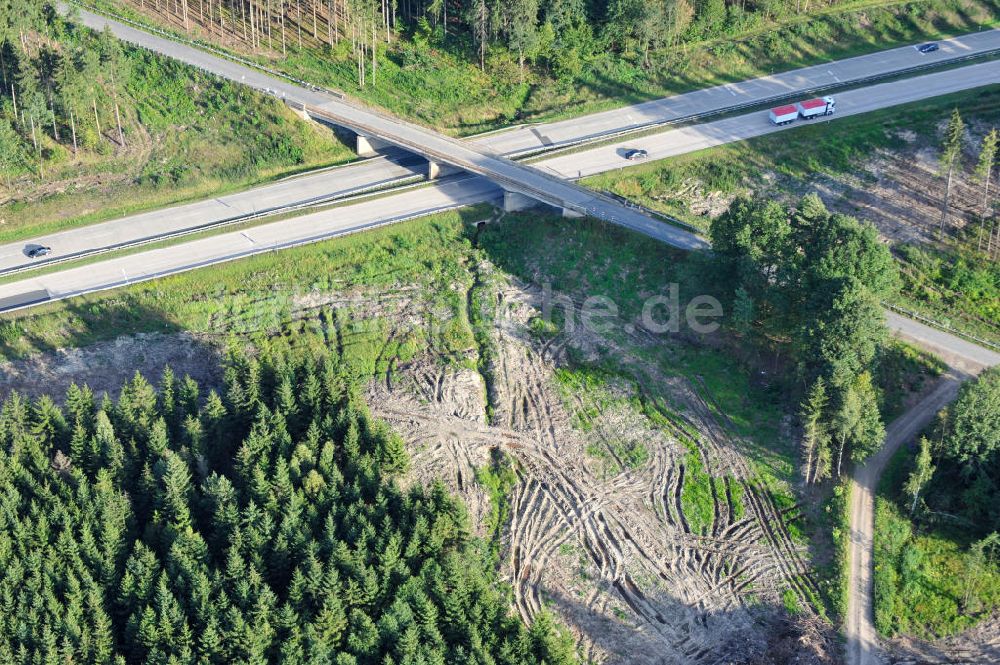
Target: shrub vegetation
90	128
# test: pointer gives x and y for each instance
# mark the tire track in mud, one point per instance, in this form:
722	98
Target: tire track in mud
768	523
616	534
593	530
685	590
772	522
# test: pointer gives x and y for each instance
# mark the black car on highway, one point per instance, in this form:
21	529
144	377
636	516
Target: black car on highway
636	154
928	48
37	251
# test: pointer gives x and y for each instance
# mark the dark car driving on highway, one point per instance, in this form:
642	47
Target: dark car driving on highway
40	250
636	155
928	48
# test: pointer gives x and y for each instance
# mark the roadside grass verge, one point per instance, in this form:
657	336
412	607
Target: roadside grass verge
438	82
786	164
422	259
947	282
835	573
954	285
902	370
78	208
187	135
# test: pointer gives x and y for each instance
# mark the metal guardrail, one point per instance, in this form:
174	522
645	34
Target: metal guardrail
435	155
670	219
944	327
172	36
694	117
360	194
605	136
596	138
533	192
145	277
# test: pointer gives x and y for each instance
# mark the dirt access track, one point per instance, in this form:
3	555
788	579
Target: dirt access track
613	555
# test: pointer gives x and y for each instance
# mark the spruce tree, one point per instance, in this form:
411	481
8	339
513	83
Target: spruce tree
951	153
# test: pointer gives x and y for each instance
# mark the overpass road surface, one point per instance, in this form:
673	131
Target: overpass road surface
531	138
374	124
461	191
386	171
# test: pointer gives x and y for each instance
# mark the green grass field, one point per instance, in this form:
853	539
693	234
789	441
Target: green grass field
259	295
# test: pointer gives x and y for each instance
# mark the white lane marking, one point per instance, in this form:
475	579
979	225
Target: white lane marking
835	77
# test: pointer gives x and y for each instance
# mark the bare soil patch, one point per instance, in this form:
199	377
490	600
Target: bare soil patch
901	193
980	644
106	366
613	556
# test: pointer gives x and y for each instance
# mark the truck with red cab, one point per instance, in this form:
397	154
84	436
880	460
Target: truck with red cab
808	109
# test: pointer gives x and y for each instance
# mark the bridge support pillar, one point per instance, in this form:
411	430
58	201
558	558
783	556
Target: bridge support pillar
369	147
437	170
516	202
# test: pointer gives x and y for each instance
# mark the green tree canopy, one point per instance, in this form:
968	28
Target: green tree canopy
299	547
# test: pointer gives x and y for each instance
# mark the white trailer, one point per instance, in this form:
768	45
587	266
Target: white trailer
812	108
783	115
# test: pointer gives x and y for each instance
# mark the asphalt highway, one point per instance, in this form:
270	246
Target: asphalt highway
529	138
325	185
960	354
722	97
228	246
675	142
469	157
382	172
426	199
355	178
